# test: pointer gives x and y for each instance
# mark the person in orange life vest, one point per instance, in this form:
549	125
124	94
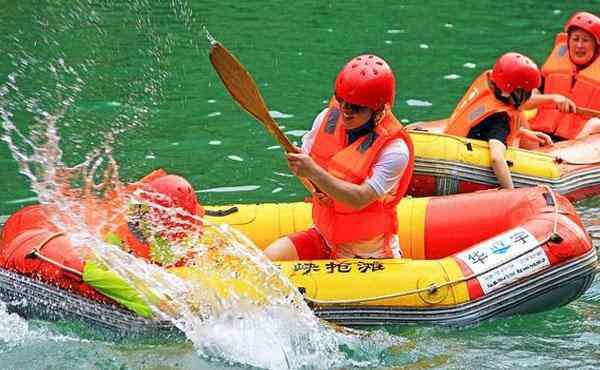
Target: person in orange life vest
361	159
571	79
163	212
490	110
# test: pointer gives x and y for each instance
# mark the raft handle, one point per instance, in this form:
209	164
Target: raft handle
35	252
549	199
469	147
556	239
510	163
221	212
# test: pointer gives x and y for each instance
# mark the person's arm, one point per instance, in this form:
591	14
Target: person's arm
538	136
353	195
499	165
562	103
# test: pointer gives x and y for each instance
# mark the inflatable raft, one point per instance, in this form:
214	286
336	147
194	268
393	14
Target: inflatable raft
447	164
467	258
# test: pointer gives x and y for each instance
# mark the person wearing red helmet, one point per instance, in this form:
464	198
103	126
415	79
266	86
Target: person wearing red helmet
163	211
361	159
571	79
490	110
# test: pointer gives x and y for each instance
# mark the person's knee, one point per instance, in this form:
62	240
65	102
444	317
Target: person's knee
282	249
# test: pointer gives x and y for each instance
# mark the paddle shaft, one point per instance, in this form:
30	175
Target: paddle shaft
588	112
242	88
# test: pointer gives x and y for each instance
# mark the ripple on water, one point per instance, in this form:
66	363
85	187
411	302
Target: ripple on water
297	133
229	189
22	200
452	77
278	114
418	103
235	158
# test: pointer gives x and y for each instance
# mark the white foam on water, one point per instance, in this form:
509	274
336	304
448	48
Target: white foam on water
448	25
235	158
175	144
278	114
469	65
276	190
211	101
418	103
215	142
424	46
298	133
557	11
16	331
150	156
452	77
405	120
213	114
396	31
388	42
229	189
273	147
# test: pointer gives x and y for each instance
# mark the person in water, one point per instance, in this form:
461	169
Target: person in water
490	110
163	211
571	78
361	159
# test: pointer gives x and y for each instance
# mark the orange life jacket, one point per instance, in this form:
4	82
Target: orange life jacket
478	104
562	77
337	222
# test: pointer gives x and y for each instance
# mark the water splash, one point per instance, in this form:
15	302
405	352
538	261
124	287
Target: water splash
229	300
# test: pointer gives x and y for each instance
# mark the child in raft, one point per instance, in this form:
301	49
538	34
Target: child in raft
491	110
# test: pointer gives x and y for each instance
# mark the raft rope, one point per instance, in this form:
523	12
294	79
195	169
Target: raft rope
37	252
560	160
433	288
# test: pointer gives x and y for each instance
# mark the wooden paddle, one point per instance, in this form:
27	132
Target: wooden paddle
244	91
588	112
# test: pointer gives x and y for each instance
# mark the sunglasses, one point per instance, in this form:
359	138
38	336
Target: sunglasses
351	107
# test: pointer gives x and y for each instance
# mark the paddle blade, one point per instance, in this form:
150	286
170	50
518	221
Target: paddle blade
243	90
238	82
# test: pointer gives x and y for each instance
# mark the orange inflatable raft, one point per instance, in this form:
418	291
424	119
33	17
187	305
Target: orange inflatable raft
467	258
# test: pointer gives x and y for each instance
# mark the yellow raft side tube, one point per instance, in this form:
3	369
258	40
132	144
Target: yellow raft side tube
394	282
434	146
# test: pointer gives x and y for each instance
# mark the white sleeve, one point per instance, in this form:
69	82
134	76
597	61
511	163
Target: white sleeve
389	167
309	138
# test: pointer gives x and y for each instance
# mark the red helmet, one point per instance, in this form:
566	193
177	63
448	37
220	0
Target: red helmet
587	22
513	71
172	192
366	80
177	192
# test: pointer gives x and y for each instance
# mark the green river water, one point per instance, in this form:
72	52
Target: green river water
145	76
